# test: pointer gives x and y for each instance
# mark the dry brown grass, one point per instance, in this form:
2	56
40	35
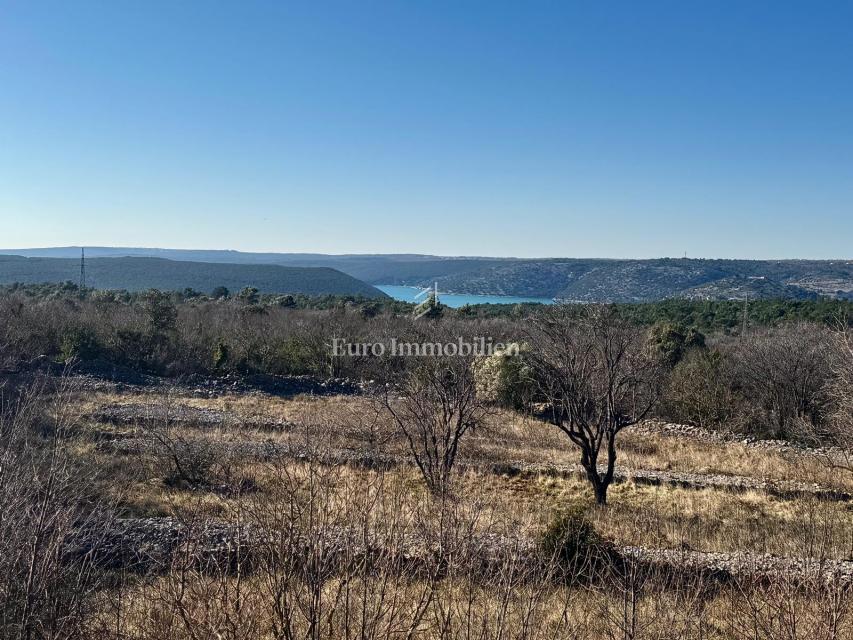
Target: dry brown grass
509	436
671	517
707	519
374	608
656	516
184	604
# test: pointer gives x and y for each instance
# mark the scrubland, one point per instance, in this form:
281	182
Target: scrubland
357	547
200	475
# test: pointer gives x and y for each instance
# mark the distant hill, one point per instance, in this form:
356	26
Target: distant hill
135	274
372	268
650	280
563	278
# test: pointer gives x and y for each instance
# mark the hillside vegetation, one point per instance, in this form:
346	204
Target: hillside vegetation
649	280
136	274
571	279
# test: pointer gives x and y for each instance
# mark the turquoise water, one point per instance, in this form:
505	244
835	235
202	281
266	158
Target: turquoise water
454	300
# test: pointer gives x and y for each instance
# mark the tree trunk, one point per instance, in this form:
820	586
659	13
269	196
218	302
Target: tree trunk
599	484
589	461
600	489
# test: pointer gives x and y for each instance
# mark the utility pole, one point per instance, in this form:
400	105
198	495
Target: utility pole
82	269
745	312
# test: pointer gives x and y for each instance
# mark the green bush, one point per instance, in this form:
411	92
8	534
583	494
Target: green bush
131	348
220	356
700	391
249	296
79	343
669	342
161	312
293	356
143	351
504	378
573	542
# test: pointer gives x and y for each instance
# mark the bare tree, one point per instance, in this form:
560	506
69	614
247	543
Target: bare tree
783	373
434	407
839	427
596	378
843	386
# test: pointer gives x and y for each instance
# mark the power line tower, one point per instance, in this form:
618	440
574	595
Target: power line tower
82	269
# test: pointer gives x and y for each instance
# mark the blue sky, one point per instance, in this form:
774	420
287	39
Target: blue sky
619	129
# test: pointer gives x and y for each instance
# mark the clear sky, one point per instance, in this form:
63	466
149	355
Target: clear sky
617	129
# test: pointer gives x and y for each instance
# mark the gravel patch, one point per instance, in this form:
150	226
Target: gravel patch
743	565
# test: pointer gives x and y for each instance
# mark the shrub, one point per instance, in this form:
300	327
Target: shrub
47	588
784	374
186	461
220	356
504	378
131	348
670	342
293	356
79	343
161	311
572	541
699	391
249	296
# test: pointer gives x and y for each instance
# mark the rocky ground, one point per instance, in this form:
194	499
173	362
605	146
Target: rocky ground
206	387
160	414
778	488
271	450
657	427
145	544
106	377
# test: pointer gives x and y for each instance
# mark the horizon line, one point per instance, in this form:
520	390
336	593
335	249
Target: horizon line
10	251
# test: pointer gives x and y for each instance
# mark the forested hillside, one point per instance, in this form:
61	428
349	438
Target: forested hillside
571	279
135	274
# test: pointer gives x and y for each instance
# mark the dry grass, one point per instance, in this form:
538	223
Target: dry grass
371	607
671	517
659	516
656	516
508	436
373	604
